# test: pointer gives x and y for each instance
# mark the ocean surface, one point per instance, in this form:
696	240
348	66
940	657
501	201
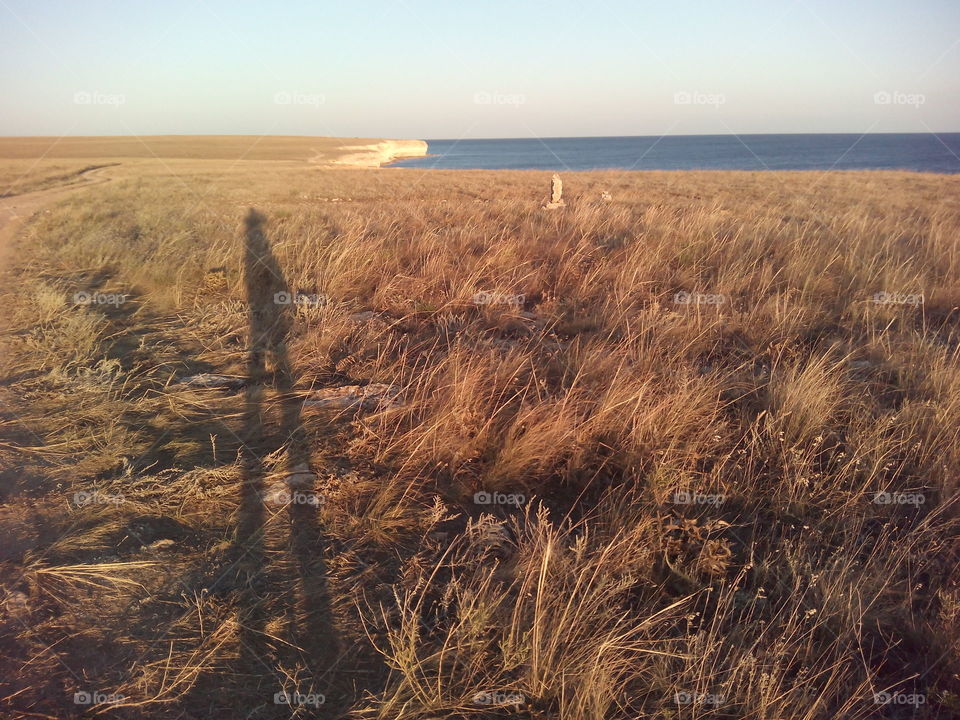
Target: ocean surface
920	152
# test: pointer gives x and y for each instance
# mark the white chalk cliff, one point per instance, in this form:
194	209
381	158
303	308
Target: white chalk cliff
381	153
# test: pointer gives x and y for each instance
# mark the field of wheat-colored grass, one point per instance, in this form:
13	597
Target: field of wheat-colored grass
691	452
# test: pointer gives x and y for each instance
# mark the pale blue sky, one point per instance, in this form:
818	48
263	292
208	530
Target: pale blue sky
498	68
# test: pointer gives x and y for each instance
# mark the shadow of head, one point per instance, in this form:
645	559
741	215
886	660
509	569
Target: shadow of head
267	292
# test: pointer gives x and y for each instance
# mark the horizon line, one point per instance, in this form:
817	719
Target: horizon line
462	139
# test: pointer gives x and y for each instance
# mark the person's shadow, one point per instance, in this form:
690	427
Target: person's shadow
306	596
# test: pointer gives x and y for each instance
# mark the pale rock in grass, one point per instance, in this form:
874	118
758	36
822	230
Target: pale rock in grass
556	189
208	380
355	397
162	544
300	477
556	194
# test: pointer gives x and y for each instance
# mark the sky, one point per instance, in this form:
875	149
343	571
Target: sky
436	69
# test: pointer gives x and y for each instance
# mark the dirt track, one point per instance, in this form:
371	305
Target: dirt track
19	208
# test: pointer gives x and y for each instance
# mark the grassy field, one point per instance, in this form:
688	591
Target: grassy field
691	452
29	164
197	147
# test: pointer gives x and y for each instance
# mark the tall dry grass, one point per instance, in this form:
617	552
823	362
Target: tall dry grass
785	402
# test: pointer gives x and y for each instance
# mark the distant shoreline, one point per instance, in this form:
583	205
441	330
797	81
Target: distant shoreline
323	151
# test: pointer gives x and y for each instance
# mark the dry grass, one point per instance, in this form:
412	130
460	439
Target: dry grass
193	147
787	592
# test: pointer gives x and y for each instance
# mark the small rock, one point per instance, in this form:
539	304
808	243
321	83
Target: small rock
359	317
208	380
355	397
494	538
17	604
160	544
300	477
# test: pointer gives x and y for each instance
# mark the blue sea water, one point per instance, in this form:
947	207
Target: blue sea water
907	151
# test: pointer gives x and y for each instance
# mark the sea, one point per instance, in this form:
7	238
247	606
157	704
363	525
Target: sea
927	152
